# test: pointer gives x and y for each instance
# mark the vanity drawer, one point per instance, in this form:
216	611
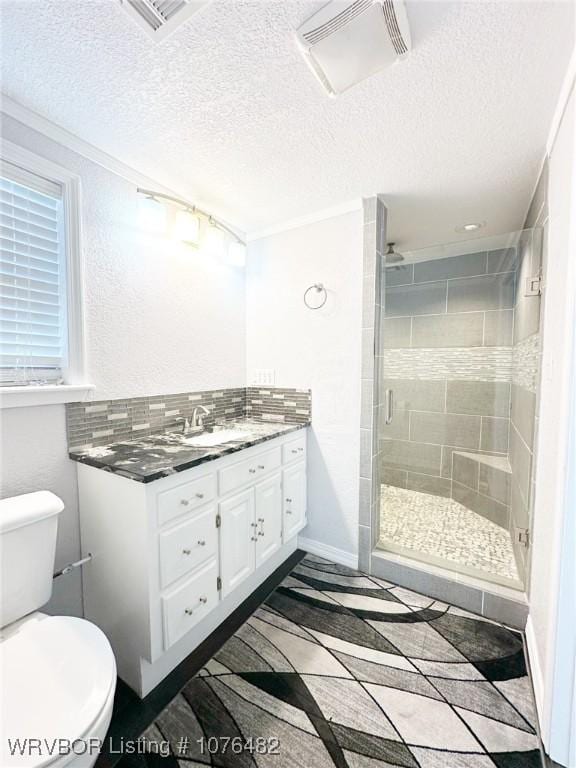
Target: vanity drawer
186	546
184	607
295	449
184	498
249	470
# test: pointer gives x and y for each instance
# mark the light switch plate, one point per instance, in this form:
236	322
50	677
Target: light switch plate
264	377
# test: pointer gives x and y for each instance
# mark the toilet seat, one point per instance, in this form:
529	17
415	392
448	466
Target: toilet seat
58	675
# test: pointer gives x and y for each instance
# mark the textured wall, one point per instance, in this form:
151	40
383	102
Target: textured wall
158	321
447	339
319	350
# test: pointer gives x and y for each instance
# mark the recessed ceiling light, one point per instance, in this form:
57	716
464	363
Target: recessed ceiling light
471	227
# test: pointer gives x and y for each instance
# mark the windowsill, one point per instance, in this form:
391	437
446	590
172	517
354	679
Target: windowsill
44	394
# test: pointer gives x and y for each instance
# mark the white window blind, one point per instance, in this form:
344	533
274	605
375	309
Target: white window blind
33	328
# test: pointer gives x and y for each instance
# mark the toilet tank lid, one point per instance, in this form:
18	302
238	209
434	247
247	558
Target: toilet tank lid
28	508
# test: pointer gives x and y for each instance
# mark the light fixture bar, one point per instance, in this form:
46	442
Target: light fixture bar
150	193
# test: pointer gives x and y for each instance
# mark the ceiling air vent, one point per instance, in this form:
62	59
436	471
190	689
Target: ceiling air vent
161	17
347	41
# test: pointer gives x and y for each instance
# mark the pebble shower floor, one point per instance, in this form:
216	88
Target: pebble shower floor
423	524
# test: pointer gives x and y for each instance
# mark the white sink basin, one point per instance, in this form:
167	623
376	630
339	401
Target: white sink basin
209	439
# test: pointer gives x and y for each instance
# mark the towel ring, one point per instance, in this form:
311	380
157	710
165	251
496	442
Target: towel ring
319	288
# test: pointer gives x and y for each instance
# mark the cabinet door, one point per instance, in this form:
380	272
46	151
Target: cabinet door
294	501
237	537
268	497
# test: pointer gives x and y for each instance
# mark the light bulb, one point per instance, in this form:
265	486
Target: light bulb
187	227
213	243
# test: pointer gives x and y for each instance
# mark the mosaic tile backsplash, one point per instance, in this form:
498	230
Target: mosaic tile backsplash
91	424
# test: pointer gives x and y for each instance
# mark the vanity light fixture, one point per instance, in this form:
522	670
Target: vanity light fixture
187	225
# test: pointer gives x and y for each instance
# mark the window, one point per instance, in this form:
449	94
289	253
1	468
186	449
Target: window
41	344
33	334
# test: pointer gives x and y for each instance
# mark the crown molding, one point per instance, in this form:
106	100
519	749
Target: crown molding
62	136
302	221
69	140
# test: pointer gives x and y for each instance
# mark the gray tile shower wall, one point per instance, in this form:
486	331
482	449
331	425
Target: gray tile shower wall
97	423
448	356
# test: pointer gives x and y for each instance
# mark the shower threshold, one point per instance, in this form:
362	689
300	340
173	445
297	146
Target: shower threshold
444	533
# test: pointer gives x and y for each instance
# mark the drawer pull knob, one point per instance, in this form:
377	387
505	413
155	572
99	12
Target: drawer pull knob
187	551
199	495
203	599
260	533
254	525
260	519
184	502
300	449
261	466
288	511
252	471
252	538
294	450
201	543
188	611
289	501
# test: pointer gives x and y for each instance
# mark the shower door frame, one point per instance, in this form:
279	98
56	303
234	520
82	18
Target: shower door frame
472	593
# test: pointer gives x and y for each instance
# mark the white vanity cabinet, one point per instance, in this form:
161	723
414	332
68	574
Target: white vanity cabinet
250	531
173	557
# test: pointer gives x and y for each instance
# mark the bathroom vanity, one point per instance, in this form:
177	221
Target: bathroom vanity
180	537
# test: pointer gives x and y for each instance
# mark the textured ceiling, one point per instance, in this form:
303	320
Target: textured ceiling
226	110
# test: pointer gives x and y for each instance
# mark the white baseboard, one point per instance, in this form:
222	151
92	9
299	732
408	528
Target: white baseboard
329	553
536	672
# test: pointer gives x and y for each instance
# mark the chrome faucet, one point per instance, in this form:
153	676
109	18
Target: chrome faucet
196	422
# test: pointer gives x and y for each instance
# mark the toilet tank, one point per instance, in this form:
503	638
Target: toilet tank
28	527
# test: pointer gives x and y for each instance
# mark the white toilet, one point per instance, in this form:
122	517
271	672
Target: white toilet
57	673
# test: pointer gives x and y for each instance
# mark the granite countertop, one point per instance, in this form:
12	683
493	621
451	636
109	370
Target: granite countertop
150	458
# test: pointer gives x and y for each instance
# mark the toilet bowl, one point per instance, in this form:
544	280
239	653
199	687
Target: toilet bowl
58	683
58	673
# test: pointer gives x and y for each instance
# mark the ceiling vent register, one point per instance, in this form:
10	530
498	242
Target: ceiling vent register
161	17
346	42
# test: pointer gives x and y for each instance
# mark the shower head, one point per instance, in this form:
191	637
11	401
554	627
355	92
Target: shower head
392	256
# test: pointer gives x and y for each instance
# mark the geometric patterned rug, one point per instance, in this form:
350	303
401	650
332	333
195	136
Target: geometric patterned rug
337	668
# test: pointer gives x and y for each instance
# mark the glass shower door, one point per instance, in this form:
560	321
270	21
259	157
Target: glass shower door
457	405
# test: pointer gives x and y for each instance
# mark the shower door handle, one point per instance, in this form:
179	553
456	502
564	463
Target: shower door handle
389	405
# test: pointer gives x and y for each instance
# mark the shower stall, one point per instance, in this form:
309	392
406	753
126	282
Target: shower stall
457	353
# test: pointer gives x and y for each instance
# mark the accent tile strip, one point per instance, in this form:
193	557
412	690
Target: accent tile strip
526	363
469	363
